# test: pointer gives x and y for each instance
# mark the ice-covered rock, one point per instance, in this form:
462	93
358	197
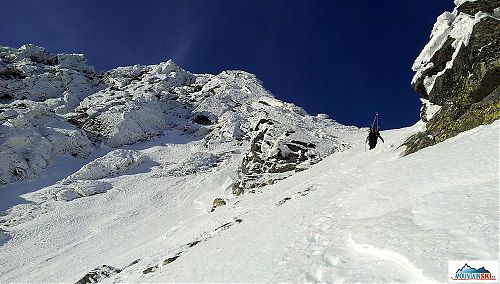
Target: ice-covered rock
36	89
449	37
226	108
282	138
278	149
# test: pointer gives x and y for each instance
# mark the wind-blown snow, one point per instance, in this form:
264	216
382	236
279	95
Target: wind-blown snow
355	217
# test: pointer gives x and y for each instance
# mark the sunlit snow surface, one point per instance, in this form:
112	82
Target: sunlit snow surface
356	216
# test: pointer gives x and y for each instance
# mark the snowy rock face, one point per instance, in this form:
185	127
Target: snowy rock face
56	104
458	72
99	273
30	135
32	73
279	148
231	107
36	90
193	163
279	138
134	105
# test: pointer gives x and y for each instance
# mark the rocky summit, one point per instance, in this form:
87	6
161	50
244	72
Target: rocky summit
458	73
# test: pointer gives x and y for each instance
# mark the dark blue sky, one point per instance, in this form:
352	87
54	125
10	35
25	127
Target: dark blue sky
348	59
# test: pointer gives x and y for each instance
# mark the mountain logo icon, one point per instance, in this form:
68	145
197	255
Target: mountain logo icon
468	272
467	269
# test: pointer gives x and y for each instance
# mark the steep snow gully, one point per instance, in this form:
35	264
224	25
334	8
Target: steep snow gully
354	217
155	174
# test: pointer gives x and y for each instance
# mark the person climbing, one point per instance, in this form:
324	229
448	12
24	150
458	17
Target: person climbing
373	137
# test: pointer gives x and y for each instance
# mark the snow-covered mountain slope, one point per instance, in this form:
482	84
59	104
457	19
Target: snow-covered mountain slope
71	136
355	216
54	105
155	174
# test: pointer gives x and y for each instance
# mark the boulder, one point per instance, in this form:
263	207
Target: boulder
218	202
99	273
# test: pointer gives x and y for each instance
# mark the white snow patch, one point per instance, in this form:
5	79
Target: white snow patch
67	195
115	162
430	108
416	275
460	2
79	188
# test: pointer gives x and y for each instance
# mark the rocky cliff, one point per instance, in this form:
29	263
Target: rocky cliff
54	105
458	73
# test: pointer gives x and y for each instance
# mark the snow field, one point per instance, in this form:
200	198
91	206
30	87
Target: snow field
354	217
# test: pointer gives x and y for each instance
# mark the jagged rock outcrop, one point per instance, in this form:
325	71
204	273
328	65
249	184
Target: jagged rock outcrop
280	148
458	73
280	138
